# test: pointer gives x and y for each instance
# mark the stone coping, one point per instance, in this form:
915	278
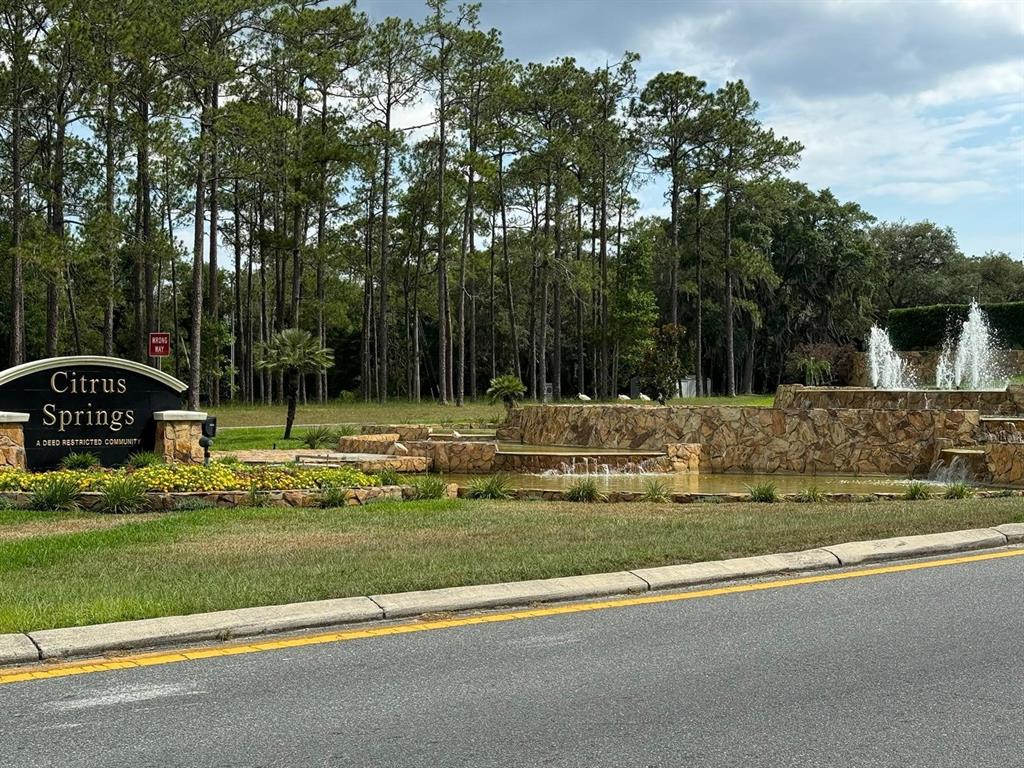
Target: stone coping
13	417
180	416
46	364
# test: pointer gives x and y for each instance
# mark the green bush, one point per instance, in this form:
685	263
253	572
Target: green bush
321	436
85	460
429	487
347	430
958	491
56	493
585	490
493	487
145	459
123	495
656	490
917	492
389	476
927	327
765	493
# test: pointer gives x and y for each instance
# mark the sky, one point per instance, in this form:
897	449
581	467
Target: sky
913	109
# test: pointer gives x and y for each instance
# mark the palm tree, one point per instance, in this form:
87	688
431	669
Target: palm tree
294	352
507	389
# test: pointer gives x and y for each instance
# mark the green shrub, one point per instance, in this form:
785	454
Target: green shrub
6	504
145	459
389	476
585	490
429	487
321	436
656	490
958	491
347	396
810	495
917	492
926	327
332	497
192	503
84	460
56	493
765	493
123	495
494	487
347	430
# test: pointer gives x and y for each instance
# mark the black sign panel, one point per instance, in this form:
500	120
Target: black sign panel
98	404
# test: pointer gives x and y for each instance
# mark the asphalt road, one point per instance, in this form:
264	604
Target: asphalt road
921	668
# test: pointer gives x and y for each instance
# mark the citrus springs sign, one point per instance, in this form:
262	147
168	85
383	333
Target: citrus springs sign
104	405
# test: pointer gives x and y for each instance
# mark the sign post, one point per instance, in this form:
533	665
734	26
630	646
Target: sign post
159	344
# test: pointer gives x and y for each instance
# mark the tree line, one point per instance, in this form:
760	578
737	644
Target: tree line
228	169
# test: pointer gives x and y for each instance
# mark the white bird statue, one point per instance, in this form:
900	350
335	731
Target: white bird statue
623	397
645	398
583	397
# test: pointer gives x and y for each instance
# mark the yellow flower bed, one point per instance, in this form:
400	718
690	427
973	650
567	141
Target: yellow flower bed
196	477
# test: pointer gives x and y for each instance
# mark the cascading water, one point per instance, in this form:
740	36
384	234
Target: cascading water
888	369
973	363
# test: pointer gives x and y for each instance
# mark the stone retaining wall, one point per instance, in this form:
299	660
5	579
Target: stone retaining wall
382	443
746	439
1004	463
1003	403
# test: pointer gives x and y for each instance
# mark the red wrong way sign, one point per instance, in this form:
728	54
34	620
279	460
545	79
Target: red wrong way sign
159	344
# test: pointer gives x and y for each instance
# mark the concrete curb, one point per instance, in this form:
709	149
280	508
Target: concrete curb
855	552
17	649
221	625
403	604
670	576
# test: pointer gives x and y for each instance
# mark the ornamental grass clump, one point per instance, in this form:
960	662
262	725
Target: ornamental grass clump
764	493
494	487
958	491
585	490
656	490
145	459
123	495
429	487
84	460
810	495
917	492
57	493
389	476
321	436
332	497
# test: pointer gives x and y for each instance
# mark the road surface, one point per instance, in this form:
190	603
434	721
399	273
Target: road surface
916	668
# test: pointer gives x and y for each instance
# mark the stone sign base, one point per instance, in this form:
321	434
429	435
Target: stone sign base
177	436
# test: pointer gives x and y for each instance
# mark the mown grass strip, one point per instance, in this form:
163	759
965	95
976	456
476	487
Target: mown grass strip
206	560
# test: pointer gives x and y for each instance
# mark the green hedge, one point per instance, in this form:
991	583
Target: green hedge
927	327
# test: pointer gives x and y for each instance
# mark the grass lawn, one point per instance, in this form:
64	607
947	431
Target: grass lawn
59	569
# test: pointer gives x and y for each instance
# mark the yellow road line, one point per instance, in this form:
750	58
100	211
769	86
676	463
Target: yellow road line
67	669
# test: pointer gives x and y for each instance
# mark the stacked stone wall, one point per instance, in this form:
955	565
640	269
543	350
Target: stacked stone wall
746	439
